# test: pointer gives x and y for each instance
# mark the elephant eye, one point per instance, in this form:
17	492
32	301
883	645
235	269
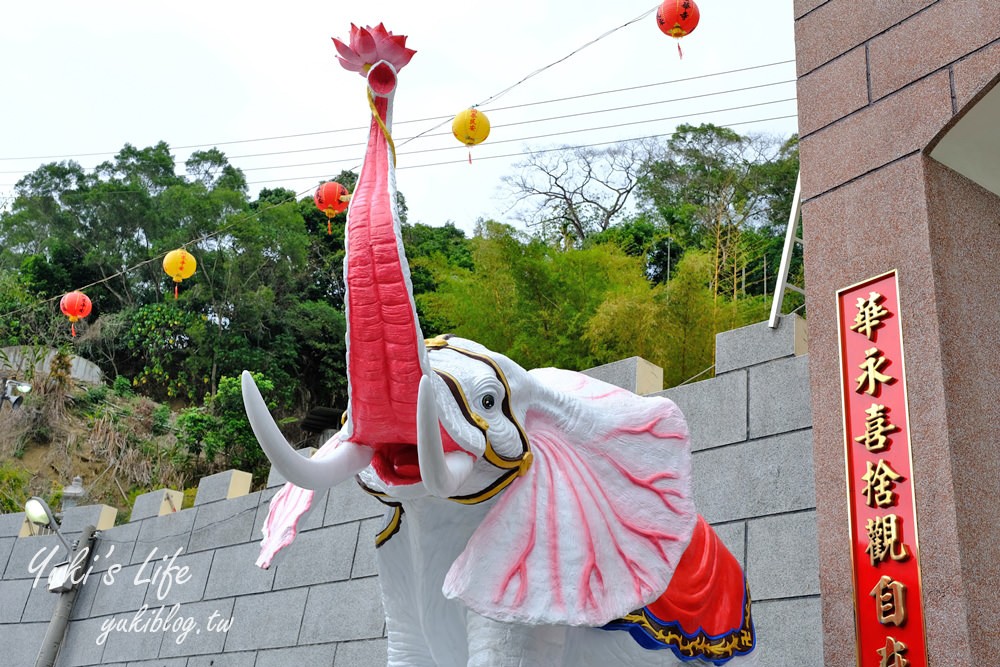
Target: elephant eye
488	401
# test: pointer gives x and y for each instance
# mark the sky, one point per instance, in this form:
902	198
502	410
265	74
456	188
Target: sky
79	80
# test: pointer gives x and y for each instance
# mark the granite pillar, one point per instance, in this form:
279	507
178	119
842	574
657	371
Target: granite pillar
873	98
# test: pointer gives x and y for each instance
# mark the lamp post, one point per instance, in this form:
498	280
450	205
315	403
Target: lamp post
11	389
64	582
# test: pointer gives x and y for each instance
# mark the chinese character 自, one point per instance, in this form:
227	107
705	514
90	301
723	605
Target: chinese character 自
870	314
879	480
884	540
892	654
876	426
890	600
871	376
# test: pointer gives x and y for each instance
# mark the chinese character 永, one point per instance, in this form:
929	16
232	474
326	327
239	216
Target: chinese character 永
879	481
890	601
871	376
876	427
884	540
870	314
892	654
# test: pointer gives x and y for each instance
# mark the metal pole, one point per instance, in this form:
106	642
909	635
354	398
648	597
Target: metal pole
54	634
786	255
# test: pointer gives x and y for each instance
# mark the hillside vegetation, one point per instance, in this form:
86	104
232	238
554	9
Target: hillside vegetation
643	249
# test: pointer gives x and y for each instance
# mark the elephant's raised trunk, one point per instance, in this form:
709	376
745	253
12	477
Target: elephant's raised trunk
386	357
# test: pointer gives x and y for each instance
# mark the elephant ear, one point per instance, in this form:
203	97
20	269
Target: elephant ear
597	525
287	509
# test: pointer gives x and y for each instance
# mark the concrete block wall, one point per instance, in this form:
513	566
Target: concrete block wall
319	604
751	436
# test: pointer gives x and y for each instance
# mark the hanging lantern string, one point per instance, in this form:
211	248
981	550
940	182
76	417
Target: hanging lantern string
159	258
493	98
381	124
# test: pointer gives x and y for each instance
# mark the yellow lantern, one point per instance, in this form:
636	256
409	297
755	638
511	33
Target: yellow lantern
471	127
179	264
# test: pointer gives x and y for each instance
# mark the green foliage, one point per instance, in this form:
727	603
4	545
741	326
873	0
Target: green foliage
529	300
218	434
159	338
122	386
13	488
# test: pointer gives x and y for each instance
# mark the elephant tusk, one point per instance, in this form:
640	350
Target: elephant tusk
343	463
442	474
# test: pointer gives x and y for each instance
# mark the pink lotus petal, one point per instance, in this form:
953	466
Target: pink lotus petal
365	46
351	66
346	52
370	45
395	53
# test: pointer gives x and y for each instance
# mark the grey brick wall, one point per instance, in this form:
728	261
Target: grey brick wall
751	432
319	604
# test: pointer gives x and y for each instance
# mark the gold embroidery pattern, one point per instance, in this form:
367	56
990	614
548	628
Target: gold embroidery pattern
699	645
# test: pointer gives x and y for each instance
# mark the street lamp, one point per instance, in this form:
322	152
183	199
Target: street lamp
9	389
65	578
40	514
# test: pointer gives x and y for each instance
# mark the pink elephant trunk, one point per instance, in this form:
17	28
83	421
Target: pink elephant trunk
386	356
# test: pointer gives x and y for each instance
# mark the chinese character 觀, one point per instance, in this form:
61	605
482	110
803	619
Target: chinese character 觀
870	314
890	600
884	540
876	426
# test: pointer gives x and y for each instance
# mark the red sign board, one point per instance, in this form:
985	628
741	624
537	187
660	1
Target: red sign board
880	486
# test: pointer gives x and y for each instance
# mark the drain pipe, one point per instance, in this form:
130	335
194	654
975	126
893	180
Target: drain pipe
54	634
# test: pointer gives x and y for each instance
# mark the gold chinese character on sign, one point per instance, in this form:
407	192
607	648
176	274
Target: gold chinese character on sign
890	600
876	426
892	654
884	539
871	377
879	481
870	314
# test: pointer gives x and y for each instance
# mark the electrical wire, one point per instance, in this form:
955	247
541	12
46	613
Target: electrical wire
258	211
415	120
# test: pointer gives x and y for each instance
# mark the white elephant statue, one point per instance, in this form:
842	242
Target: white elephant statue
533	517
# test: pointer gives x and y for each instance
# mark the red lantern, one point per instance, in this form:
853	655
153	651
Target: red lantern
331	198
75	306
677	18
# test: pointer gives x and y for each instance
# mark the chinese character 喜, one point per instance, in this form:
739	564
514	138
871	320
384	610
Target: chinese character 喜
883	540
871	376
870	314
890	600
876	426
879	481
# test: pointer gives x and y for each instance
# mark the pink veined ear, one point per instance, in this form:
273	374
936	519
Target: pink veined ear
596	527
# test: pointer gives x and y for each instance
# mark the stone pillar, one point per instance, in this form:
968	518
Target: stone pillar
879	82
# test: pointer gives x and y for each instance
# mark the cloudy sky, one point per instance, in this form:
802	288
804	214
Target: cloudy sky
79	80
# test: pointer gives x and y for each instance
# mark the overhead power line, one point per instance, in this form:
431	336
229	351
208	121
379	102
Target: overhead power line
415	120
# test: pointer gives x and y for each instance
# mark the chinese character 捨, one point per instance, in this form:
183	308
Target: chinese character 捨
876	426
890	600
892	654
870	314
871	376
883	539
878	484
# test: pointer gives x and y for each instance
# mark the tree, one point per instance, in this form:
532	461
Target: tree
712	189
572	193
531	301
